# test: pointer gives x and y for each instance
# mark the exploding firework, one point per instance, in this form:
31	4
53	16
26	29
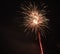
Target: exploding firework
35	20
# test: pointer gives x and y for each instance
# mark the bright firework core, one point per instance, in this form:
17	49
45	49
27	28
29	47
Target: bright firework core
35	21
36	18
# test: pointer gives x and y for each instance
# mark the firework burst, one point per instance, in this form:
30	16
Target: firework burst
35	20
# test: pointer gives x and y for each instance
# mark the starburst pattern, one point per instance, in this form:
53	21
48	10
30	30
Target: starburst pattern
34	19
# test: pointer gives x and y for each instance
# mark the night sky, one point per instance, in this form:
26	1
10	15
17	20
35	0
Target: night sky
13	38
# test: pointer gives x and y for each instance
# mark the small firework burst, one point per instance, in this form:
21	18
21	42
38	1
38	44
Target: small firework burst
34	19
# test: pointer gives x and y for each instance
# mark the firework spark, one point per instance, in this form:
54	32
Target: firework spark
35	20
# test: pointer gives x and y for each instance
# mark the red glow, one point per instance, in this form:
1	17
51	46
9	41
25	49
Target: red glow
40	43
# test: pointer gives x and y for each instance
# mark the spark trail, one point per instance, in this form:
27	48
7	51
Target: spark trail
40	42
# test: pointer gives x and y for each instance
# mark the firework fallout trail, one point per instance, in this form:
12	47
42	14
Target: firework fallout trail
40	42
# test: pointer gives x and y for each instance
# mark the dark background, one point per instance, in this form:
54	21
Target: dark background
13	40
